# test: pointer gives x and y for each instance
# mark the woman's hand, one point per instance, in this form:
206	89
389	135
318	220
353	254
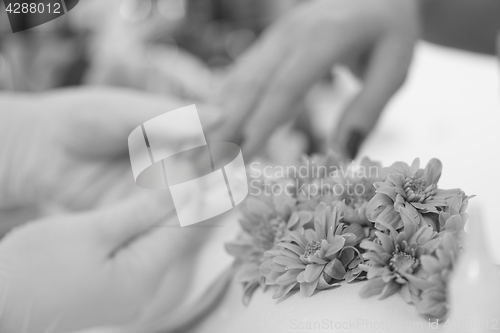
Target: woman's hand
374	37
99	268
69	147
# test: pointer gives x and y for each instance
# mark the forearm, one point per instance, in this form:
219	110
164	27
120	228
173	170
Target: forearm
466	24
19	125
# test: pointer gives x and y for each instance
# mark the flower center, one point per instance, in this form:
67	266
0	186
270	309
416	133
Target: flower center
269	233
355	202
360	194
403	263
417	189
311	248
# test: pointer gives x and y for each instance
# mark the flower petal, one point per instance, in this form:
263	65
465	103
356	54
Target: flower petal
417	282
372	288
347	256
415	166
271	278
278	268
248	291
388	216
377	205
238	250
323	284
301	278
283	203
280	253
289	277
265	268
399	168
283	290
432	245
292	266
292	247
257	207
320	229
372	246
247	272
299	238
307	289
405	293
432	171
430	264
314	259
389	191
286	260
358	231
455	223
311	236
375	271
336	246
386	240
374	257
312	272
319	212
292	221
410	218
390	288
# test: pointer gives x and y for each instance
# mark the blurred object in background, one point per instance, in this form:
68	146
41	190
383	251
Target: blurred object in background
175	45
498	46
218	31
50	55
155	45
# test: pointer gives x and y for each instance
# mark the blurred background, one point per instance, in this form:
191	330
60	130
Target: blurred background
134	43
181	48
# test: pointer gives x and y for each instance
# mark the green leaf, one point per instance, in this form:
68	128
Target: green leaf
335	269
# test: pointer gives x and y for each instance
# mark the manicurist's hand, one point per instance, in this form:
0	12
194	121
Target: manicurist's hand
69	147
107	267
374	37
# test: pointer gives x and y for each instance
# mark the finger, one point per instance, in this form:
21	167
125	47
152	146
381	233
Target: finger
97	122
241	91
386	73
295	77
152	254
118	225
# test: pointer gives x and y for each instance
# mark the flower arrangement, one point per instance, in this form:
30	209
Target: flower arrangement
325	221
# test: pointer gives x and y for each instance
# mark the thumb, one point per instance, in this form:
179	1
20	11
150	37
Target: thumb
153	243
144	224
116	226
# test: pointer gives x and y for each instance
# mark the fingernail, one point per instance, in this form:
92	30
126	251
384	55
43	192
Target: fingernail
356	138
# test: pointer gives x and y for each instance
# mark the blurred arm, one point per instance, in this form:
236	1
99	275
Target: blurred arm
20	127
466	24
